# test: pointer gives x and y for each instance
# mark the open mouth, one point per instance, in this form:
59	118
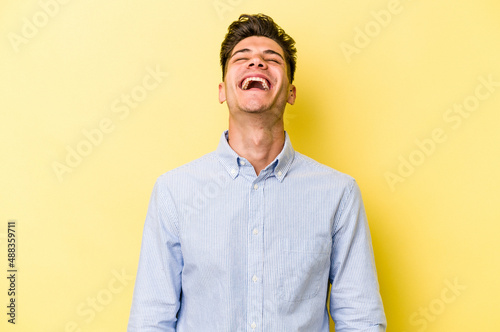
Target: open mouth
254	82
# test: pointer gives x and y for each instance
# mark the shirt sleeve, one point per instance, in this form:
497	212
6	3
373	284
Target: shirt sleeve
157	290
355	301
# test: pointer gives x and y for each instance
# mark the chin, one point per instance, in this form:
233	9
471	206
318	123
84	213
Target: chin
256	110
253	107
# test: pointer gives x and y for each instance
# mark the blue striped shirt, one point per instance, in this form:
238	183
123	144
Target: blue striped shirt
225	250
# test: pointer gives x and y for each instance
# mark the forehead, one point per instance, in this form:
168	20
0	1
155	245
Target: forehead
258	44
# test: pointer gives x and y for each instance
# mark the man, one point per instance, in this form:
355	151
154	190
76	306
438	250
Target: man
248	237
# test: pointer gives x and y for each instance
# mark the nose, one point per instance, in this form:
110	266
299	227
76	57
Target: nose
257	61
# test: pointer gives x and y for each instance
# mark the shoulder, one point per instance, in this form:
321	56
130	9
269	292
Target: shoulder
312	168
189	171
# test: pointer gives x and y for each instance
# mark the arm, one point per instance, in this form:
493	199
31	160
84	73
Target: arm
158	284
355	302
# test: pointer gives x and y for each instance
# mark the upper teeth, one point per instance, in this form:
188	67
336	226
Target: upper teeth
247	81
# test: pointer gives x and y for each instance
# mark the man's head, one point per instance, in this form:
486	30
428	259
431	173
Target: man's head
258	63
263	26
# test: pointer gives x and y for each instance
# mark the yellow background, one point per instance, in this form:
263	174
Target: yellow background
360	112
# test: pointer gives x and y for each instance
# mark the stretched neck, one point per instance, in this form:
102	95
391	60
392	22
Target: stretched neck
256	140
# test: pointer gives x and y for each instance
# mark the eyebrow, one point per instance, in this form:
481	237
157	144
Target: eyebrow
245	50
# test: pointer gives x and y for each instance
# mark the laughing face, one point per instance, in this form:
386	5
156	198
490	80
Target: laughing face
256	79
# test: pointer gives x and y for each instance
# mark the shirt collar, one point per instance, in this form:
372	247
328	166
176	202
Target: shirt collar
231	160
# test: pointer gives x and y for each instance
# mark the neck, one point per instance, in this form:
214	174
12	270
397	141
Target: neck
256	141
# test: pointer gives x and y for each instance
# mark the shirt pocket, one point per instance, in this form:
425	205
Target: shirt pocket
303	269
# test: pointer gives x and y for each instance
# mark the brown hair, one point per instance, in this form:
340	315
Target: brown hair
258	25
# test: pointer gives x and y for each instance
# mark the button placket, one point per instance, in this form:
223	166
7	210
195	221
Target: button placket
255	255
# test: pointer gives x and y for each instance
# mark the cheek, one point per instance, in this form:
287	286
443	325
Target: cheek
231	80
281	76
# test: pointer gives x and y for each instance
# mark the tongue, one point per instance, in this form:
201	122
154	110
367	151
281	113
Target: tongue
255	85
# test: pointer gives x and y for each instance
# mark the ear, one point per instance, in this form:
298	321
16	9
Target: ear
222	92
292	94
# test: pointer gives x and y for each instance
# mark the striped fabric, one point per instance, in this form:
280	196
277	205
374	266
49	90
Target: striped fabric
225	250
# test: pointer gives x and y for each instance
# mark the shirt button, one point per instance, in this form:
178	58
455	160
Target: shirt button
279	173
255	231
255	186
253	326
242	163
254	279
233	171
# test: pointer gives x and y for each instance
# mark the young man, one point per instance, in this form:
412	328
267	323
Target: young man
248	237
